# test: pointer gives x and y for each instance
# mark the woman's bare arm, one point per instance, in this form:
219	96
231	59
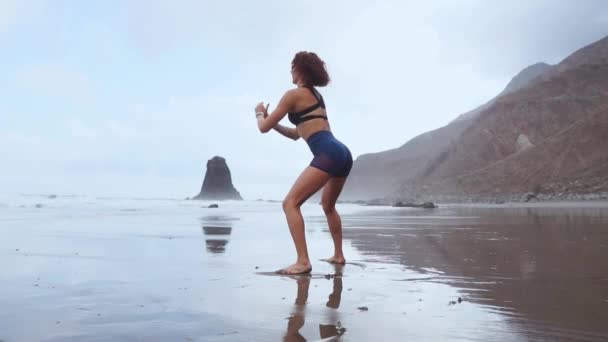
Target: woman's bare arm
289	132
265	124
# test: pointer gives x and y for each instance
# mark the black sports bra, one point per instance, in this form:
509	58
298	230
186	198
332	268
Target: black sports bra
297	118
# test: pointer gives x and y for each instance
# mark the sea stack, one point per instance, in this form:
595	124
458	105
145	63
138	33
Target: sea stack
217	184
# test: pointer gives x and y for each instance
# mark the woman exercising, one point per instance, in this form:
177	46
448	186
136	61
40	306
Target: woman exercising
332	160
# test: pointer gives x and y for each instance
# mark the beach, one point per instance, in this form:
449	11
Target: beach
85	268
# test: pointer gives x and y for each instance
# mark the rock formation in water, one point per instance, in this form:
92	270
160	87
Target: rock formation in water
217	184
545	133
425	205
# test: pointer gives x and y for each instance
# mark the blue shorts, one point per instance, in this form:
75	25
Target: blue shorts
331	155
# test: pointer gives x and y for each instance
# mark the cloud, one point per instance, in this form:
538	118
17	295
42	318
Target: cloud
166	141
9	11
157	26
56	81
499	39
16	12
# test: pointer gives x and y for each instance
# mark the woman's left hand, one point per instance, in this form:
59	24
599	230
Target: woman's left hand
260	108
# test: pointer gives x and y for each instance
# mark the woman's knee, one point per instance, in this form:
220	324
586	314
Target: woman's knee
328	208
289	204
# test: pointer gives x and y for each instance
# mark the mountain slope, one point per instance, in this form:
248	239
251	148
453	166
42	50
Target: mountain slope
483	153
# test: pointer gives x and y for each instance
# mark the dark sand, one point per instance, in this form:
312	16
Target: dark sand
108	270
543	269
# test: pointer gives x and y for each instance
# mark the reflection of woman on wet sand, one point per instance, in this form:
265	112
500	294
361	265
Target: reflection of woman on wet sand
331	163
333	302
296	321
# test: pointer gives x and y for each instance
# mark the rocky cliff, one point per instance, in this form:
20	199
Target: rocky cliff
217	184
545	133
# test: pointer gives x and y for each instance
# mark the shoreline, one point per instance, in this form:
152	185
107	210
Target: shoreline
602	202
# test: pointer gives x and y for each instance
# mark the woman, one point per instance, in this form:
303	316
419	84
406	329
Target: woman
331	163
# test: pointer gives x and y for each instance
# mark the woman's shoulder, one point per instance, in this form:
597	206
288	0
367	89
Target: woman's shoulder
294	93
296	90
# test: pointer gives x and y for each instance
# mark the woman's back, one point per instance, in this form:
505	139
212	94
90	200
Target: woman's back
309	113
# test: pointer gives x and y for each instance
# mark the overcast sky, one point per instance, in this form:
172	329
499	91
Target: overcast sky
131	98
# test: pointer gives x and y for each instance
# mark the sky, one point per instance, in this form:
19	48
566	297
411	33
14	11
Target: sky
131	98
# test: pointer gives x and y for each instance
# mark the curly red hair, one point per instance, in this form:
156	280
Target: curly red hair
310	68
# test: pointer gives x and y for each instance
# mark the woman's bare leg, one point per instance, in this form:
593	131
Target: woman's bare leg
309	182
332	190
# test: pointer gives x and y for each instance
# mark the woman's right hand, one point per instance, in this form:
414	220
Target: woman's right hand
266	111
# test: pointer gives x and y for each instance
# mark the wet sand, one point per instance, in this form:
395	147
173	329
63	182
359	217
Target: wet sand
86	269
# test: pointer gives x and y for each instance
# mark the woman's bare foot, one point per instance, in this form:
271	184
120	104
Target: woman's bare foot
336	260
297	268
